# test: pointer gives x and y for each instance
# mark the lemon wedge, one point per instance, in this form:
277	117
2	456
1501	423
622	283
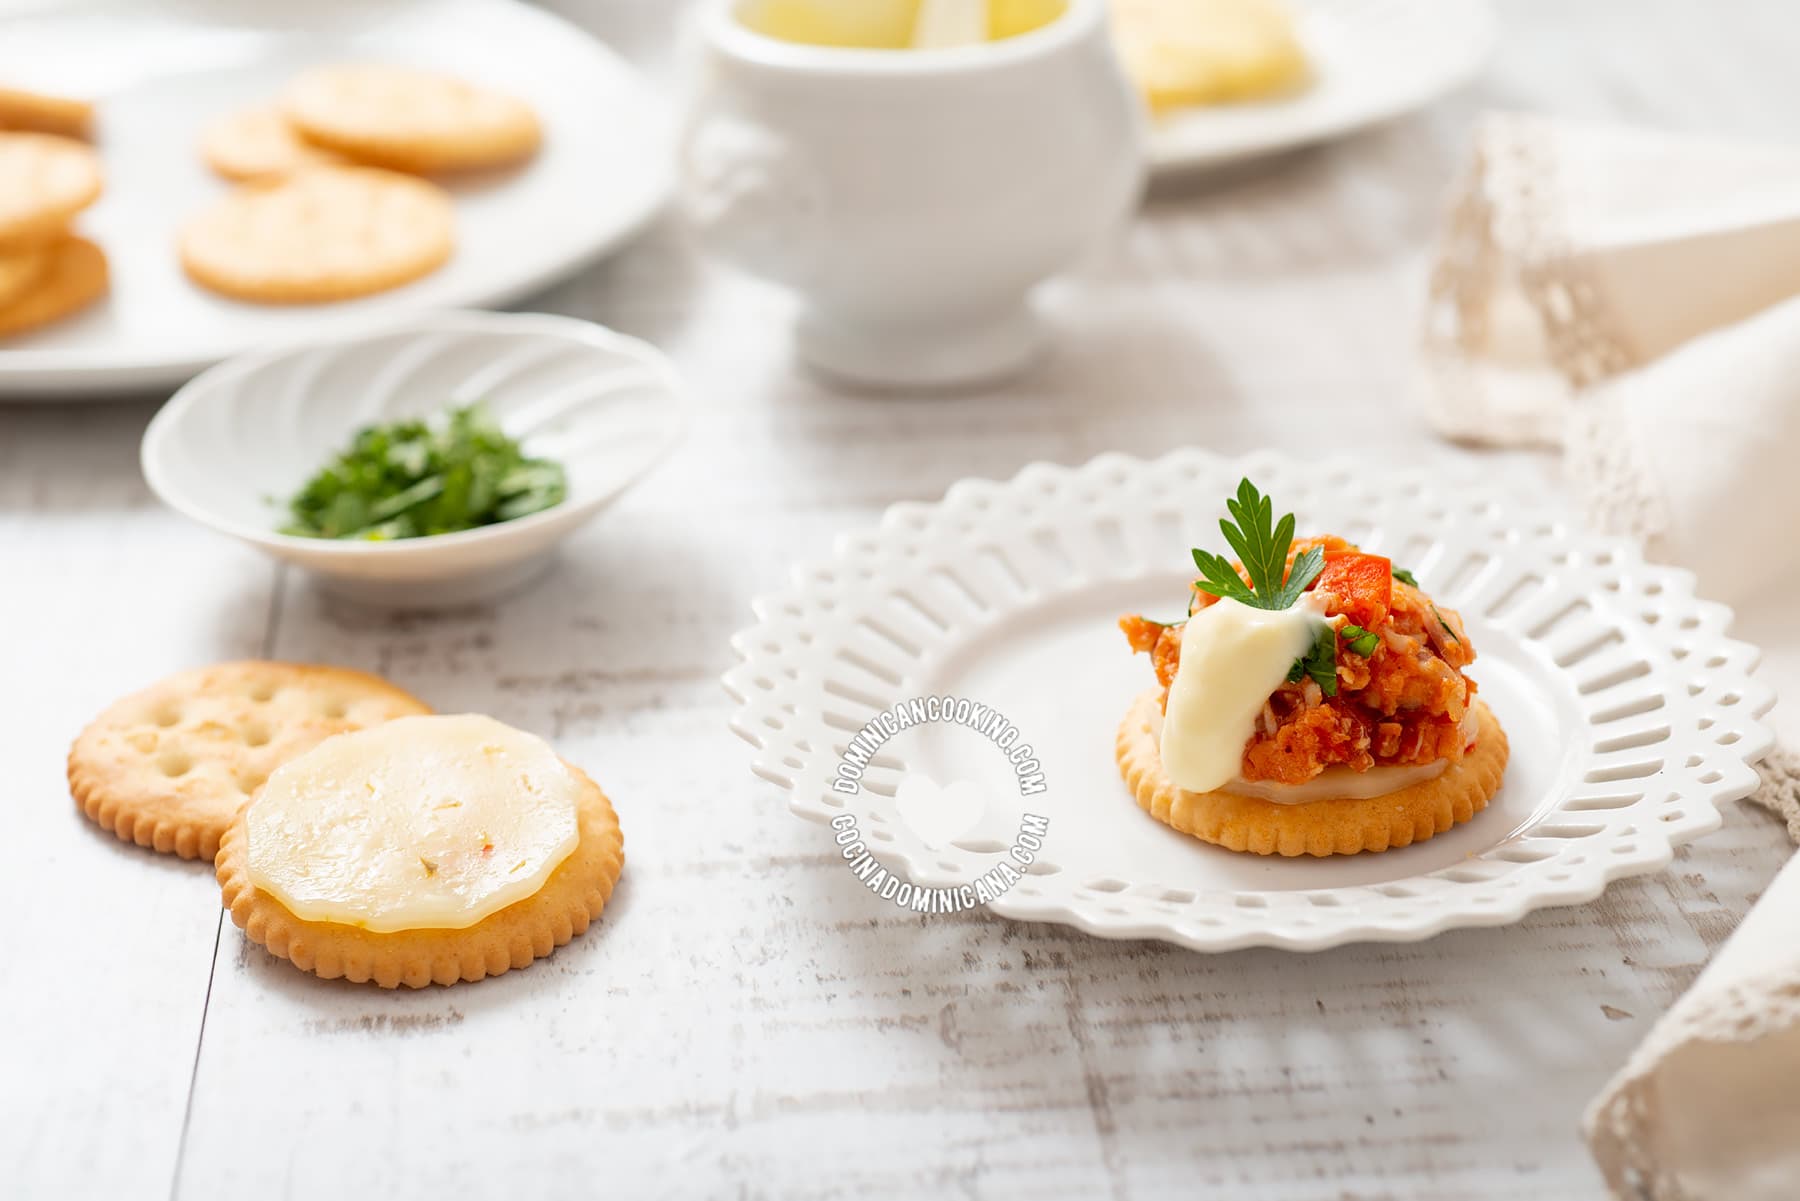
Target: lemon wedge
897	24
944	23
1010	18
866	24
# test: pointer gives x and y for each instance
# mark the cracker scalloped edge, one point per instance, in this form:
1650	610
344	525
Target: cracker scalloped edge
109	789
170	834
1318	828
528	930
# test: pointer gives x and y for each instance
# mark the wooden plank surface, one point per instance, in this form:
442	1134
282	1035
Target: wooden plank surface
746	1020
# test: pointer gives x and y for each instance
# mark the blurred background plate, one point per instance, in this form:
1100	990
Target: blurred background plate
161	72
1371	60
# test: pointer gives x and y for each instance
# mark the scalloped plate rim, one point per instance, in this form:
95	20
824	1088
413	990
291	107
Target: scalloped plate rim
1655	852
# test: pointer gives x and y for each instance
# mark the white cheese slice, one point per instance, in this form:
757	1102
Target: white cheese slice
422	823
1340	783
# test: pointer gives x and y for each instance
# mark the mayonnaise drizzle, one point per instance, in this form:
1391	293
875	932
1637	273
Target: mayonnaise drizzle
1233	657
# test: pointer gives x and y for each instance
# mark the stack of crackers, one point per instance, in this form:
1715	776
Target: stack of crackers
47	176
331	203
332	197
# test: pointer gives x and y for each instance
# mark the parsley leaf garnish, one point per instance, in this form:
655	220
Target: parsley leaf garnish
1262	546
1406	577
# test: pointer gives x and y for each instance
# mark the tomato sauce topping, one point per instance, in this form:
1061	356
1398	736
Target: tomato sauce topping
1405	702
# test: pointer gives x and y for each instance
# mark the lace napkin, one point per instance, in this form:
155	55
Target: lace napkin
1634	298
1707	1108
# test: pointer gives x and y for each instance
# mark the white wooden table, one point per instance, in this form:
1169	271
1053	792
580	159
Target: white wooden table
747	1020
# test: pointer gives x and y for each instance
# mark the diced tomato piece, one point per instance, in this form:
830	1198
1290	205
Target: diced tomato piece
1364	585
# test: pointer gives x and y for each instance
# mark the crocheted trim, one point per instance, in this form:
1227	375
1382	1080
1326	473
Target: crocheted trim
1780	790
1606	462
1508	211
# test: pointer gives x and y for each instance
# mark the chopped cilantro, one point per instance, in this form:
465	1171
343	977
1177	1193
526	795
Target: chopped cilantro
1320	662
411	479
1448	632
1360	640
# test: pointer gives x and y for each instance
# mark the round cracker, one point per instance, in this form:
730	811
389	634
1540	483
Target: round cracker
21	267
1319	828
73	276
170	766
44	181
258	143
531	929
410	120
41	112
325	233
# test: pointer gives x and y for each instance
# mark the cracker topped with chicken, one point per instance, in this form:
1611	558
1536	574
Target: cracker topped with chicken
1312	702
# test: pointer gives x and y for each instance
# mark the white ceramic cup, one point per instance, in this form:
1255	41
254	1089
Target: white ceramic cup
912	198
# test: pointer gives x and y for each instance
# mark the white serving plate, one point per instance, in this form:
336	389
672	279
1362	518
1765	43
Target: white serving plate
160	72
232	444
1372	60
1631	715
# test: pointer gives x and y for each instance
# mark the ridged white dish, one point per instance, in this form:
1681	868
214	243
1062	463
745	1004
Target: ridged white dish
160	72
1371	60
231	445
1631	715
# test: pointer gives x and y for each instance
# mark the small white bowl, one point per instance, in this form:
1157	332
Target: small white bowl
236	442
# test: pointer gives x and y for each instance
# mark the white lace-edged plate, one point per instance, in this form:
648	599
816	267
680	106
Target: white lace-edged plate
1631	715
